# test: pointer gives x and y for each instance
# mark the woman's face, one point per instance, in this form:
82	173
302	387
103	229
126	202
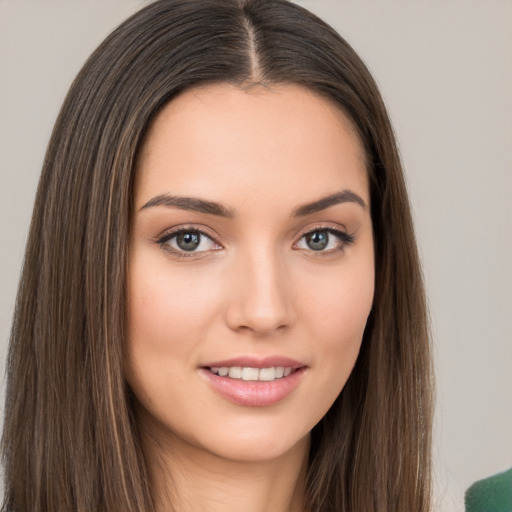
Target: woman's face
251	271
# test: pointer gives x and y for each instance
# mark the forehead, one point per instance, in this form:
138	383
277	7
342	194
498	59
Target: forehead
220	139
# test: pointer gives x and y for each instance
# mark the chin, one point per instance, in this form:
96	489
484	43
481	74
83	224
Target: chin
254	448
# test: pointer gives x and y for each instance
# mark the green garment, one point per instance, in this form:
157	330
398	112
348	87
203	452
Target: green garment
493	494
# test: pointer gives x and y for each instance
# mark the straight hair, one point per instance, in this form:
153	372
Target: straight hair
70	439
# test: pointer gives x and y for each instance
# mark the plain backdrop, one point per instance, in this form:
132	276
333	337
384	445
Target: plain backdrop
445	70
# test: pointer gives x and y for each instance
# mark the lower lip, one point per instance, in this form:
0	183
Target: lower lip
255	393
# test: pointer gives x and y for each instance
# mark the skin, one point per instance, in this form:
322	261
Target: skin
255	287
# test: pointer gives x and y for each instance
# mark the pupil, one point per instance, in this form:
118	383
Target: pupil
187	241
317	240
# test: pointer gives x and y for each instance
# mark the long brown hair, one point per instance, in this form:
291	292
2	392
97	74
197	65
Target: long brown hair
70	442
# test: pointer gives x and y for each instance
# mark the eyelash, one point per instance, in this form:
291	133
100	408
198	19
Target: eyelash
345	239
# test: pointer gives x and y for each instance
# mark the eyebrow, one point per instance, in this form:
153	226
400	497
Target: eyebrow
345	196
192	204
195	204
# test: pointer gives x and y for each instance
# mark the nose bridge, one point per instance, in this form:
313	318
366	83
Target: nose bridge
260	301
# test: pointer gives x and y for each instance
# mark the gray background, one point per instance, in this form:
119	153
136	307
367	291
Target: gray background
445	70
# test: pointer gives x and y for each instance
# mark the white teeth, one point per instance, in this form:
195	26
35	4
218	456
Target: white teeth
250	374
267	374
254	374
235	372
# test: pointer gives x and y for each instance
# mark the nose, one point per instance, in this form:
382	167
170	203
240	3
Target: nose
260	302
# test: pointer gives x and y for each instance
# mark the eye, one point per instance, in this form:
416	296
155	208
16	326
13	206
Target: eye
325	240
186	242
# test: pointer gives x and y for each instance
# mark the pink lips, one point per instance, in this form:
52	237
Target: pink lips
254	393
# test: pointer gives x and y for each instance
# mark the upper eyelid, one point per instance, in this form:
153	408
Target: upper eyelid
332	228
170	232
324	228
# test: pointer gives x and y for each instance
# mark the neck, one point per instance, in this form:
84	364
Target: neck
195	481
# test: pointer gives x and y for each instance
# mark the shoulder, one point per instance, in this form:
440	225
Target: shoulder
492	494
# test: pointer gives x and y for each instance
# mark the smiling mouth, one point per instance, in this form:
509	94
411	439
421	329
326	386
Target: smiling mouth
252	374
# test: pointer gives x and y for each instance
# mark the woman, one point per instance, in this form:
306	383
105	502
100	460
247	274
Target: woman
221	305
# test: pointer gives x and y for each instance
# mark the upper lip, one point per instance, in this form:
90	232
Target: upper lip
256	362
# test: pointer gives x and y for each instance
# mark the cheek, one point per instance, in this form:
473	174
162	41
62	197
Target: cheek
157	321
168	314
338	319
341	305
164	307
350	310
166	317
